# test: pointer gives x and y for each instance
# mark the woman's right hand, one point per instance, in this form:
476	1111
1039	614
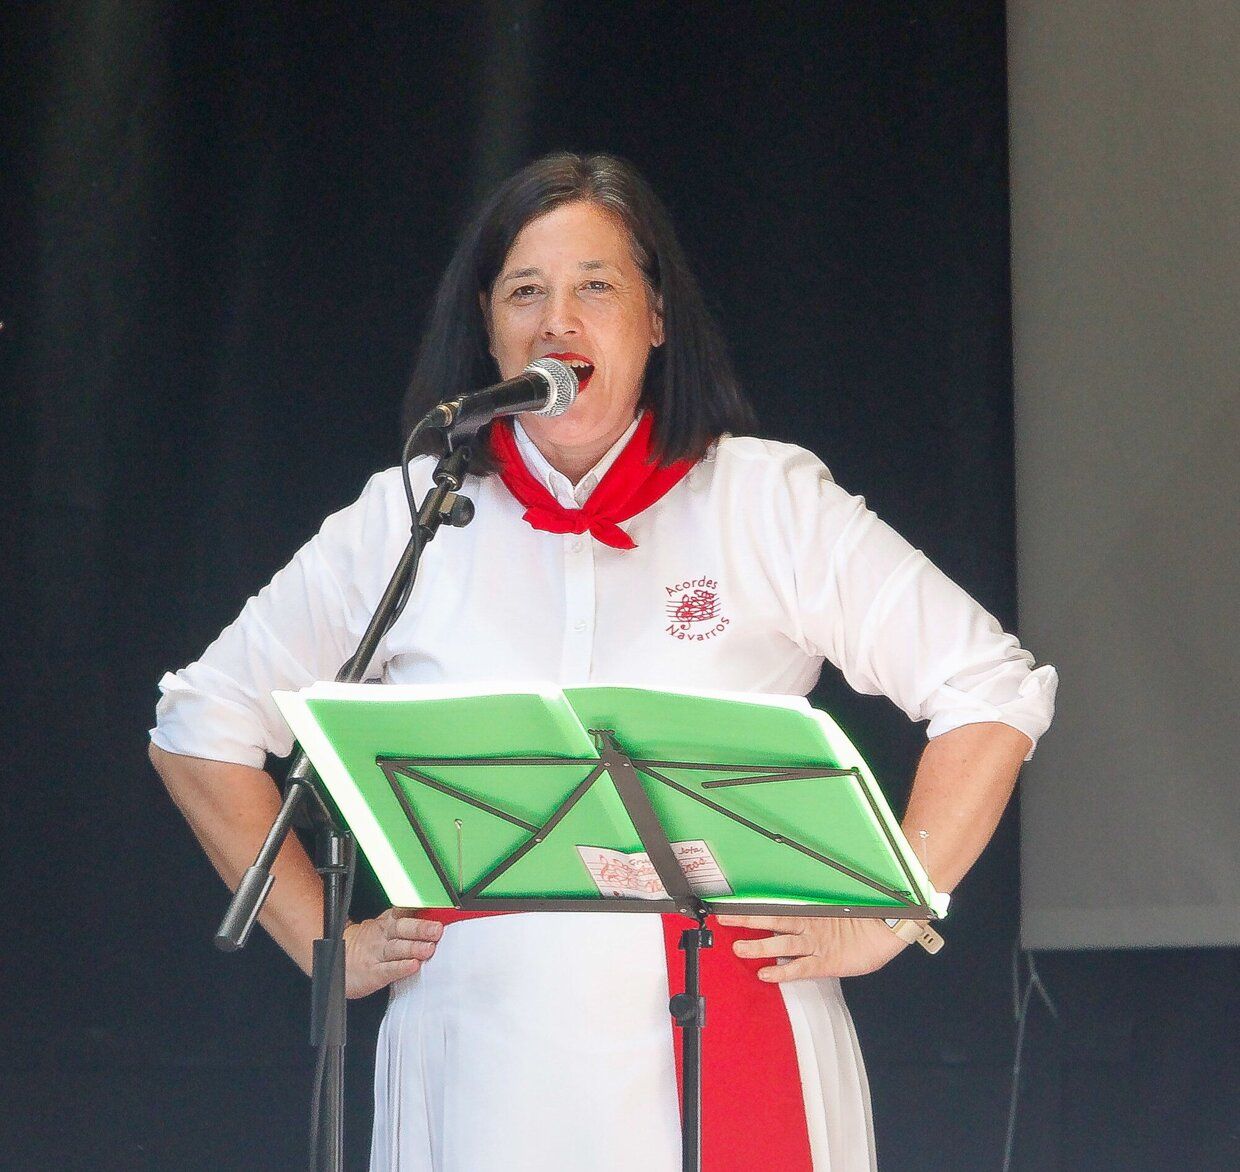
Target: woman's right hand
387	948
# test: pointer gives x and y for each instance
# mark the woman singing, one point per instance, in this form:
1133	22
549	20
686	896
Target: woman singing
543	1041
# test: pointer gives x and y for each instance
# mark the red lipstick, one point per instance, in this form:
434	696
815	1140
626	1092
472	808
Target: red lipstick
583	367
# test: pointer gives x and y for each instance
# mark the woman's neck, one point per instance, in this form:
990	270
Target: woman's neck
574	460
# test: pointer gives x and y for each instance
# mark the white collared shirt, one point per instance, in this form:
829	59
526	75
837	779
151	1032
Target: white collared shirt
747	574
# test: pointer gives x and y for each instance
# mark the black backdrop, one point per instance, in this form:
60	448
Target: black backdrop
222	229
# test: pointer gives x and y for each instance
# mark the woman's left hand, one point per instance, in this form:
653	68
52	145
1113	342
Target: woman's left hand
820	946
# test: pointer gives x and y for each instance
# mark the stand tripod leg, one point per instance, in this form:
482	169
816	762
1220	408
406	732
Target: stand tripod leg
688	1009
328	1003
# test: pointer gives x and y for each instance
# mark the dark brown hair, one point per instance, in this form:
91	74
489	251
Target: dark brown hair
689	382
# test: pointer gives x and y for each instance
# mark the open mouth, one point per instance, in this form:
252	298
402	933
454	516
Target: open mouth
583	368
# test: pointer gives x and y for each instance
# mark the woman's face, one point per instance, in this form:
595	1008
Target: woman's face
570	288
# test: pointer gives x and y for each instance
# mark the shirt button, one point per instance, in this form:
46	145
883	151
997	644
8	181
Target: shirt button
579	625
577	546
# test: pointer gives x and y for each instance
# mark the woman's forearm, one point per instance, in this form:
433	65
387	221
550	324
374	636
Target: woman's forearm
230	808
962	786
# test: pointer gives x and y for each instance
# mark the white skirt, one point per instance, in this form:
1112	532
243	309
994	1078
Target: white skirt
543	1042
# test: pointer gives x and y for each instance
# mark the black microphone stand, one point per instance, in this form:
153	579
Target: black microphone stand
335	849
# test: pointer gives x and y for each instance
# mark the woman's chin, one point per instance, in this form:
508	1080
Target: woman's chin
570	431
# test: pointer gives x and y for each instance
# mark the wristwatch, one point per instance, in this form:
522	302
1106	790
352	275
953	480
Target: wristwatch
916	932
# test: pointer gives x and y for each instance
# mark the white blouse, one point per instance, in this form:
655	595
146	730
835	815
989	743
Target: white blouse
749	573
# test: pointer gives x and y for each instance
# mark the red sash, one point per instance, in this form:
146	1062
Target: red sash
753	1113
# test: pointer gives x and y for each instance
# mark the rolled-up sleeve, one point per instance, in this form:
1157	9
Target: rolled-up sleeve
298	629
896	625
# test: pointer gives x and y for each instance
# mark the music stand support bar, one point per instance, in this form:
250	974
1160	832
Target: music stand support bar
688	1009
329	1004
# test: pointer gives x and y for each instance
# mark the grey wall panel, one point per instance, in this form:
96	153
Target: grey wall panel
1124	149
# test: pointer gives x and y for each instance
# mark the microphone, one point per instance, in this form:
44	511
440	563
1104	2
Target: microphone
546	387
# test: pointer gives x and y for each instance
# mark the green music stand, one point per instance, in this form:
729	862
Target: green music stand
616	799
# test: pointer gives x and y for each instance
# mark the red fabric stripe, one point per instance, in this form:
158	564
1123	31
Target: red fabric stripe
751	1086
631	485
450	915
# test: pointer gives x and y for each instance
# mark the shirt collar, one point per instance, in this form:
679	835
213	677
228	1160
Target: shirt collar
557	483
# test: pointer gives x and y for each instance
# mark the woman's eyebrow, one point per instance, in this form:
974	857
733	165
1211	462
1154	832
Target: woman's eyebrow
534	271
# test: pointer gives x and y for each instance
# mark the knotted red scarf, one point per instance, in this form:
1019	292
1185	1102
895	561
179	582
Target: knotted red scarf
633	483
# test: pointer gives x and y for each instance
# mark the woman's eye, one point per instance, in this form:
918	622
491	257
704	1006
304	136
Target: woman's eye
524	291
598	286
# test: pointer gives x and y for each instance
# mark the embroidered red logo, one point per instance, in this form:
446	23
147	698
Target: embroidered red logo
694	610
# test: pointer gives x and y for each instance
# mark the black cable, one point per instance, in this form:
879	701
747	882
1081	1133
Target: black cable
406	457
415	529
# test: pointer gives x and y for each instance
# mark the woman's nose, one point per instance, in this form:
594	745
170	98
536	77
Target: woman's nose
560	317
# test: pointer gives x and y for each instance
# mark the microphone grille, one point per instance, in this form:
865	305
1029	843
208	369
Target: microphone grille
562	383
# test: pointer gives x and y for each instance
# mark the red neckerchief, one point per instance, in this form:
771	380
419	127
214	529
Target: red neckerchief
632	484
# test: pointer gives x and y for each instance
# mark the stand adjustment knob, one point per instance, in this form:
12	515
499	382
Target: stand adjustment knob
457	510
687	1009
